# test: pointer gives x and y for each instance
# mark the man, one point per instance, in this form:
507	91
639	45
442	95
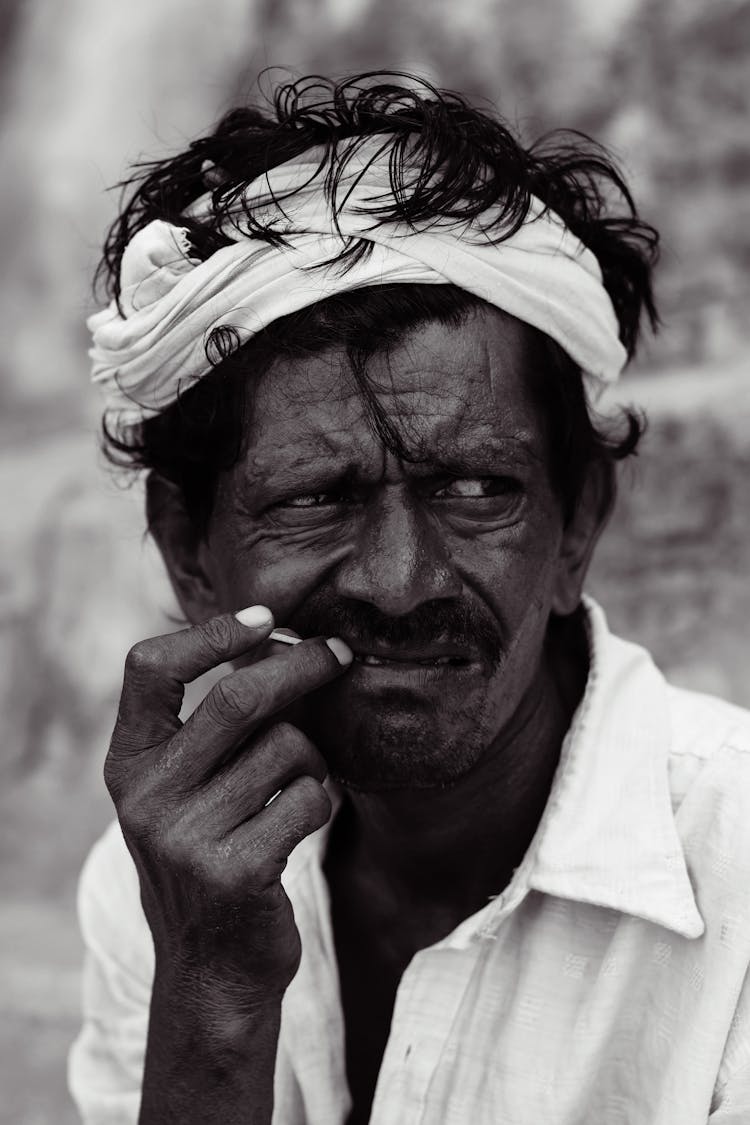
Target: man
357	342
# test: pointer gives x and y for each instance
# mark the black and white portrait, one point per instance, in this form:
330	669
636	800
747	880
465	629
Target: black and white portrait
374	593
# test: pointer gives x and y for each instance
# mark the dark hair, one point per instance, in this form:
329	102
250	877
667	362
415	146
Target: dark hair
468	160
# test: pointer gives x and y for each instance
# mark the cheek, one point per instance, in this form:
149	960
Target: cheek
516	579
272	570
516	566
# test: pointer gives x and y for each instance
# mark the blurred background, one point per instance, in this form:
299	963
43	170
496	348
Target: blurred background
86	86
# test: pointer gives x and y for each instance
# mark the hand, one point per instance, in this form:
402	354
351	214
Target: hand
193	803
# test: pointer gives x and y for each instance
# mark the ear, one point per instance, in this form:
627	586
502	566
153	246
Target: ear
183	550
581	536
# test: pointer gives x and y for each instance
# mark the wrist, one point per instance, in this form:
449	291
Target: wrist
220	1007
208	1061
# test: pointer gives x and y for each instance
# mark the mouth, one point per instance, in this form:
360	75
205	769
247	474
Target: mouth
404	657
376	660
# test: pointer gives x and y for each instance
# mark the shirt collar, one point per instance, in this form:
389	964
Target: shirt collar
608	833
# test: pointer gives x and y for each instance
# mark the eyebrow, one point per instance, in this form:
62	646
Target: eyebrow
315	470
513	450
319	466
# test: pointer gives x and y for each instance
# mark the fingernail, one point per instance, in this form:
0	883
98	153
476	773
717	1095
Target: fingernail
255	617
341	651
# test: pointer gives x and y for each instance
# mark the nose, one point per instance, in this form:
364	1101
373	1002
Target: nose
399	559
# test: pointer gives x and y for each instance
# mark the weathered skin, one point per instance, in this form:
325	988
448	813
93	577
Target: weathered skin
209	850
447	768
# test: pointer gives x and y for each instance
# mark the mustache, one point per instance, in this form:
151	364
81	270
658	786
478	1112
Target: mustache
360	623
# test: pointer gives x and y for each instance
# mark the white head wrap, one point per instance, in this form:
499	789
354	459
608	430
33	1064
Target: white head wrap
146	354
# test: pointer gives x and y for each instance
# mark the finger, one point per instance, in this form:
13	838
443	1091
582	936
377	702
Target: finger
157	669
265	841
239	703
246	785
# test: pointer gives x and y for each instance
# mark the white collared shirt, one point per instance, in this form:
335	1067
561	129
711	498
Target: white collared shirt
607	984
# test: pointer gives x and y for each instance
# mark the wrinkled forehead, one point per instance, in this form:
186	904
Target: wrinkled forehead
441	386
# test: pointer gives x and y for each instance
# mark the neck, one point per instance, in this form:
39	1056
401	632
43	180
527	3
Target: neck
453	848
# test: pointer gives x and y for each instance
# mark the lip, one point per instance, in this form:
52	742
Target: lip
433	680
436	655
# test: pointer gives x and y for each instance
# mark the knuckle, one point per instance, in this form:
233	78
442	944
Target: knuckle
143	660
286	732
313	803
216	636
294	751
178	854
241	872
287	742
227	703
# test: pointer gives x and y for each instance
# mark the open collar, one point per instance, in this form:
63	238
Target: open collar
608	833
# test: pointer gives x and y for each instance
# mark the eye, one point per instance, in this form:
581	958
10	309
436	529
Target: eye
310	500
478	488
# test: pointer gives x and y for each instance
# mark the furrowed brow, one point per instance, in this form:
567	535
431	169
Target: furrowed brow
301	475
513	451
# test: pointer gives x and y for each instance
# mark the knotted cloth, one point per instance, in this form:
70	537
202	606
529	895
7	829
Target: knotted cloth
153	346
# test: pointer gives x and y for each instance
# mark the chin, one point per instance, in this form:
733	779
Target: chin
397	751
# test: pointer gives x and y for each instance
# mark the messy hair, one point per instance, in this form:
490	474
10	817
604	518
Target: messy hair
447	160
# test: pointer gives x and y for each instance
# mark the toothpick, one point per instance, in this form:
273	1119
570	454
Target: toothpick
283	638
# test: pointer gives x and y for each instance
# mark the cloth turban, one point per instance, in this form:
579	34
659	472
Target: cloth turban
153	346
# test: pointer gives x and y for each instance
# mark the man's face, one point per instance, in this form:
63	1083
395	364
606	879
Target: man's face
440	572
